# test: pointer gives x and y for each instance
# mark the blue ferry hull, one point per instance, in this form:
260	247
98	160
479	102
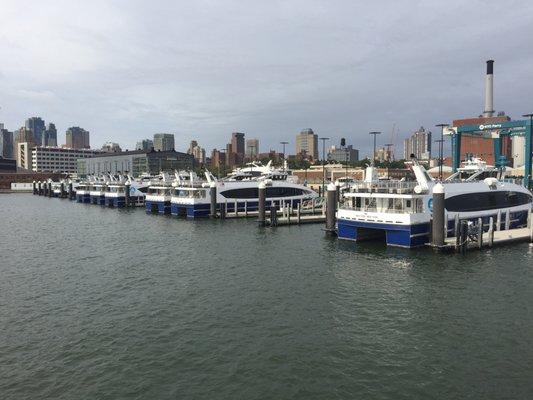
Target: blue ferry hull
411	236
161	207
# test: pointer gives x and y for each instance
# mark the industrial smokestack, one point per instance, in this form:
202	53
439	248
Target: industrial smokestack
489	95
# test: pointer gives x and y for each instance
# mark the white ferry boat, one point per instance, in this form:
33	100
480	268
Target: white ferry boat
115	195
83	192
158	195
193	199
399	212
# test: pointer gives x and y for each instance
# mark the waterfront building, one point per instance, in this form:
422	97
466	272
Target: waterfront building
135	162
419	144
111	147
482	146
24	155
145	144
50	136
163	142
77	138
6	144
252	148
7	165
343	154
58	159
307	143
37	126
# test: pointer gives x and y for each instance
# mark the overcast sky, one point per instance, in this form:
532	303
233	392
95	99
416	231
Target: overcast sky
125	70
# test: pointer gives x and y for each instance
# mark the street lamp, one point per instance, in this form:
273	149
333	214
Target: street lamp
284	143
374	133
441	148
323	162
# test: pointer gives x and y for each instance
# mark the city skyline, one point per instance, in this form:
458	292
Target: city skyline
327	73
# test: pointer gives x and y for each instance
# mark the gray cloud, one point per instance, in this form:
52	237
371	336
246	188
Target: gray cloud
127	69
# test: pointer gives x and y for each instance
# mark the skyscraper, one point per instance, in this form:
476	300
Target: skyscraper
50	136
163	141
237	144
419	144
145	144
6	144
36	125
307	143
252	148
77	138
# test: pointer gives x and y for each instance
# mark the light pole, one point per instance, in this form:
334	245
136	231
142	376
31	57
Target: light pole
441	148
374	133
323	162
284	143
529	150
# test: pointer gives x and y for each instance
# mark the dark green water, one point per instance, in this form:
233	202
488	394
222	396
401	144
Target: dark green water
98	303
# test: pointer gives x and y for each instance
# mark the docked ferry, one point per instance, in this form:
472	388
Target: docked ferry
83	192
159	194
399	212
115	195
193	199
97	191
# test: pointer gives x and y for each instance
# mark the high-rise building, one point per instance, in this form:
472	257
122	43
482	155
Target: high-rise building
252	148
37	126
237	144
77	138
197	152
419	144
50	136
307	143
111	147
6	144
218	159
163	141
145	144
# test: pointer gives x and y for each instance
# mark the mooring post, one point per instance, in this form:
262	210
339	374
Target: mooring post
50	192
62	193
499	220
273	215
213	198
491	231
246	208
456	226
338	194
39	188
222	211
464	236
331	209
127	194
480	232
70	190
45	189
299	211
530	224
262	203
507	219
437	234
34	186
457	234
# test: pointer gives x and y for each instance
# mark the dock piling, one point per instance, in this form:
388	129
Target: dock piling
331	209
213	198
34	186
70	190
491	231
437	233
50	192
262	204
127	194
507	219
464	237
62	192
480	233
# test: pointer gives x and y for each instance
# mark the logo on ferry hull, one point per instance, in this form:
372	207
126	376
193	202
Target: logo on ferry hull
430	205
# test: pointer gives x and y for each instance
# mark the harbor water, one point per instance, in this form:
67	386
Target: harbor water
100	303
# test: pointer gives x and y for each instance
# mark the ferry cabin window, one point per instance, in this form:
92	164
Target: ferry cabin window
486	201
253	192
